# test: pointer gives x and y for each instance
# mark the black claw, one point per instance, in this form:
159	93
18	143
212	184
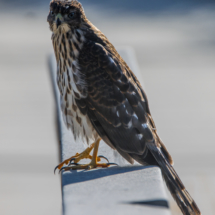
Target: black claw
100	156
73	159
75	164
67	167
55	169
114	164
63	168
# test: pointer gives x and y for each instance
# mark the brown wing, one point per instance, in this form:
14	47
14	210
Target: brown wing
118	109
116	100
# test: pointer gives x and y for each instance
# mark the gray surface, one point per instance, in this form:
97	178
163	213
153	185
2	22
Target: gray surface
124	190
28	146
112	190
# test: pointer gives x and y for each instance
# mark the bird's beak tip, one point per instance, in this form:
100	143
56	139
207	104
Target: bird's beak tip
58	22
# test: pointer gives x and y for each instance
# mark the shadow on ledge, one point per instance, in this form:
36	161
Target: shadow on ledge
73	177
158	203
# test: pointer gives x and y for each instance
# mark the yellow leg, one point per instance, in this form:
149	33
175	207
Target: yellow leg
94	162
95	153
79	156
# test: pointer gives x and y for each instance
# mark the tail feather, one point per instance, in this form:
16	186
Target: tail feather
174	183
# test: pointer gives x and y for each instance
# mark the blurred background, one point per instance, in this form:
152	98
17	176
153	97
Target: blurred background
174	43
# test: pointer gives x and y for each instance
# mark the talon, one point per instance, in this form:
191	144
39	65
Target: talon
112	164
75	164
63	168
77	157
55	169
103	158
60	170
73	159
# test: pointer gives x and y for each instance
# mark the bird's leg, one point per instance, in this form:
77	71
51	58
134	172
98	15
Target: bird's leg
94	161
79	156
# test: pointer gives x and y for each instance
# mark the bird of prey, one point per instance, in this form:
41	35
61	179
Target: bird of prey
101	98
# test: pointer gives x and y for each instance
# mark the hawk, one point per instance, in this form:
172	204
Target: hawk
101	98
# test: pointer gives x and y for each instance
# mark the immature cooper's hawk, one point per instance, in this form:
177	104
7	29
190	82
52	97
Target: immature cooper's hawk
102	99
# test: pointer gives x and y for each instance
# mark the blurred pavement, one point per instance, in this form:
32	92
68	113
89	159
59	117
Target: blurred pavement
175	49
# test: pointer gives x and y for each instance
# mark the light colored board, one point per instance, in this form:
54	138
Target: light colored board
126	189
117	190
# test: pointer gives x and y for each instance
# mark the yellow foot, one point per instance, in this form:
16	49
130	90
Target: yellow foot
91	165
84	155
75	159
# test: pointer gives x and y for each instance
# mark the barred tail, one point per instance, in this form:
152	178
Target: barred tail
174	183
182	197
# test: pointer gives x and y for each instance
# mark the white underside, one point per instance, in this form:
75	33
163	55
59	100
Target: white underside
83	130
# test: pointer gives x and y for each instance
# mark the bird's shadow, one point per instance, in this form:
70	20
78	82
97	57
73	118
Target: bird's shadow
73	177
151	203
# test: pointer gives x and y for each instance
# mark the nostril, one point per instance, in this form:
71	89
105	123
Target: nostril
58	22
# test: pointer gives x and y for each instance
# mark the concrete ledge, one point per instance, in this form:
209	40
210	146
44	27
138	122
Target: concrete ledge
116	190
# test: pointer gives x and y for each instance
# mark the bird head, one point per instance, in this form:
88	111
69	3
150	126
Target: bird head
65	14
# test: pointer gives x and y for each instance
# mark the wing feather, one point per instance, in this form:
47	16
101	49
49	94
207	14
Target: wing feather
122	117
116	99
120	109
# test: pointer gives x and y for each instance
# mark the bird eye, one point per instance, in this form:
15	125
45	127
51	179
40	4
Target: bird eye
52	13
71	15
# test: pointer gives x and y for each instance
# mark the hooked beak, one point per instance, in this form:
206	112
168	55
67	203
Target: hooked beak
58	20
